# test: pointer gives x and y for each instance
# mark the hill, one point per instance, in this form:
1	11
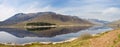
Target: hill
22	19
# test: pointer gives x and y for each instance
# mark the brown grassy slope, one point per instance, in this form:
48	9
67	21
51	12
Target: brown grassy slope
110	39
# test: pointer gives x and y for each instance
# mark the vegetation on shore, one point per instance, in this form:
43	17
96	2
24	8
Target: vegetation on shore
39	24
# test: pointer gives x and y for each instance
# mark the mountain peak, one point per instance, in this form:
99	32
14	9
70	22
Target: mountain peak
19	14
46	13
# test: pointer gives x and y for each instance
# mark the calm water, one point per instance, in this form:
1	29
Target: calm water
8	35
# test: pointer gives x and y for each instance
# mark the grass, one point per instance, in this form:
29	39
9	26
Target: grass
85	36
119	36
116	41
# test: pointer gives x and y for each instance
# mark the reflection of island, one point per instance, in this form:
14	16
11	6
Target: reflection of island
39	28
42	33
58	31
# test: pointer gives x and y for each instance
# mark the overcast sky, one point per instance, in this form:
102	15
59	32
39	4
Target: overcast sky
98	9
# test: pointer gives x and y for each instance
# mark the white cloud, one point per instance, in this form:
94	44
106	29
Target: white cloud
6	12
112	13
97	9
112	10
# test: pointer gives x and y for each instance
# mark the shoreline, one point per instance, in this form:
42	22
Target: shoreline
52	43
60	42
44	43
44	26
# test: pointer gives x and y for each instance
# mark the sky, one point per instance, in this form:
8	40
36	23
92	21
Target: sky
108	10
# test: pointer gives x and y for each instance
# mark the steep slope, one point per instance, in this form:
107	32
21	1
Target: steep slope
49	17
20	17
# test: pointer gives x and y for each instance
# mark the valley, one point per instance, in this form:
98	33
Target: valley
59	23
53	29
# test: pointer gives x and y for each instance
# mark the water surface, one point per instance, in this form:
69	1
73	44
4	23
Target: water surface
20	36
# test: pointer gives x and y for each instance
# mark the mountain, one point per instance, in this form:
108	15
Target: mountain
98	22
22	19
114	24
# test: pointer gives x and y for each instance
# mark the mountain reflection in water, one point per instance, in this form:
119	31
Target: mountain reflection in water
41	32
21	36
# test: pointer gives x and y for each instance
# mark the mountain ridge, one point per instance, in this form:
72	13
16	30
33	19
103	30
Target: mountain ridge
114	24
21	19
98	22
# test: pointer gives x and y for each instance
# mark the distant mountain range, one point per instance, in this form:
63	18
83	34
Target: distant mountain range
98	22
22	19
114	24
